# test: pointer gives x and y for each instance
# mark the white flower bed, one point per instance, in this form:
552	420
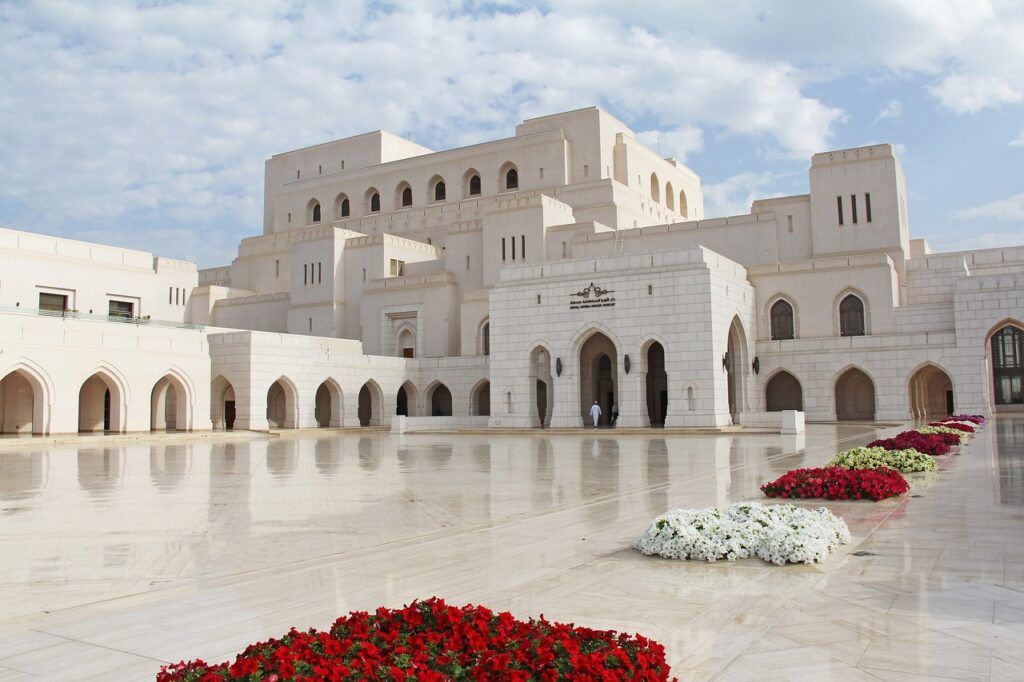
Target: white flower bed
905	461
964	435
778	533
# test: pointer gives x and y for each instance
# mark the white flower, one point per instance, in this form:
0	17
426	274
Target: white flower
777	533
872	458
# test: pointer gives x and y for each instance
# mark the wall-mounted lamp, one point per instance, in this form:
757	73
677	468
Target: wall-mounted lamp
625	363
757	365
725	360
558	366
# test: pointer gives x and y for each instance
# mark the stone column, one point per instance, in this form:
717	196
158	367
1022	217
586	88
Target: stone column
250	408
566	412
633	400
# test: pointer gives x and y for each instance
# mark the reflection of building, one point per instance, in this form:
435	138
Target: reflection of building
520	279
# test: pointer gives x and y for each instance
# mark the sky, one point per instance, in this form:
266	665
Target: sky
147	124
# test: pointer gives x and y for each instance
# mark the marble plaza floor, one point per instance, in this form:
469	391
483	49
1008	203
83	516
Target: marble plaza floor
115	560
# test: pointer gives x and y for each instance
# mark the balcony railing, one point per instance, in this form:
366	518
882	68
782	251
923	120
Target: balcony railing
116	319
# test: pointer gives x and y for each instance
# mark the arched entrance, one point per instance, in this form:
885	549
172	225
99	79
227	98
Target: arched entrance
168	405
736	368
22	404
370	404
328	406
282	405
783	392
440	401
405	400
855	396
599	362
222	404
931	393
542	389
480	402
1008	368
657	384
100	404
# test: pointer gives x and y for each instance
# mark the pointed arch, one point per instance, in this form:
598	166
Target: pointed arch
670	196
26	396
342	206
480	399
103	400
930	391
371	201
328	404
1004	354
483	336
783	391
852	313
438	399
683	209
370	401
598	368
282	404
737	367
313	211
171	403
854	394
407	400
222	403
471	184
508	177
782	318
655	188
656	384
403	195
437	191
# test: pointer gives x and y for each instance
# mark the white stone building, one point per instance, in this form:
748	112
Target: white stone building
514	283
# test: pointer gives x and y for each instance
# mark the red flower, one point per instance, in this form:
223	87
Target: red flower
836	483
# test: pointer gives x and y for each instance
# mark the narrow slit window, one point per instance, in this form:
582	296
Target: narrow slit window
277	268
305	273
513	248
502	248
853	208
319	272
467	262
538	299
522	246
565	250
839	208
170	295
867	206
650	289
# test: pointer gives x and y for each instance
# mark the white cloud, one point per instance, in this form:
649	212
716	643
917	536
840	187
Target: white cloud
734	195
1019	142
1011	208
977	240
676	143
893	110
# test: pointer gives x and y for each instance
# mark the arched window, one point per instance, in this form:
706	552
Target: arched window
375	203
313	211
670	197
1008	365
682	204
485	338
655	187
407	197
782	321
474	186
316	213
439	191
344	212
512	179
851	316
341	206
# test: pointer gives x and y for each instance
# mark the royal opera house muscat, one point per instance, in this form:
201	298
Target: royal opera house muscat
511	284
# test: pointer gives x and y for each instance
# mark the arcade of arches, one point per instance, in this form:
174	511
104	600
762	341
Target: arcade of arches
599	362
783	392
440	401
931	393
855	396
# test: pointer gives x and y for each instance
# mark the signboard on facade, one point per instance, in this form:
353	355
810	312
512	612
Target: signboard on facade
592	296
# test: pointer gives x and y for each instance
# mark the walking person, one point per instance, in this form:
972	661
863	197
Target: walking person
595	413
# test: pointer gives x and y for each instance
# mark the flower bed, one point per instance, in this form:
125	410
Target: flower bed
961	436
966	427
930	444
903	460
837	483
976	419
780	534
433	641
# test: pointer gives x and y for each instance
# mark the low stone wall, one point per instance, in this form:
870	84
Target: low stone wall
786	422
401	424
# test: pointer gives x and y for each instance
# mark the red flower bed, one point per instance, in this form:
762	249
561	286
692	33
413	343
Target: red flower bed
433	641
976	419
931	443
836	483
953	425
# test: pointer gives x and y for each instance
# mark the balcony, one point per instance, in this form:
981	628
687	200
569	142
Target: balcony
114	319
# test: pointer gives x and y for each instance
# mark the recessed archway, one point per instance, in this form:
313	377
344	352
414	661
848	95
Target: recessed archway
406	404
542	388
440	399
222	404
370	399
736	368
480	401
931	393
22	403
1006	350
656	382
783	392
329	407
599	381
855	396
101	404
282	405
169	405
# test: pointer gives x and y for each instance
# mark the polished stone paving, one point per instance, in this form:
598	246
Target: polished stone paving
114	560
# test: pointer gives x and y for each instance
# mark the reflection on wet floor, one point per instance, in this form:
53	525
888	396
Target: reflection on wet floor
222	543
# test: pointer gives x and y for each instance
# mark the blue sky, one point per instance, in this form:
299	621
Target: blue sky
147	124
